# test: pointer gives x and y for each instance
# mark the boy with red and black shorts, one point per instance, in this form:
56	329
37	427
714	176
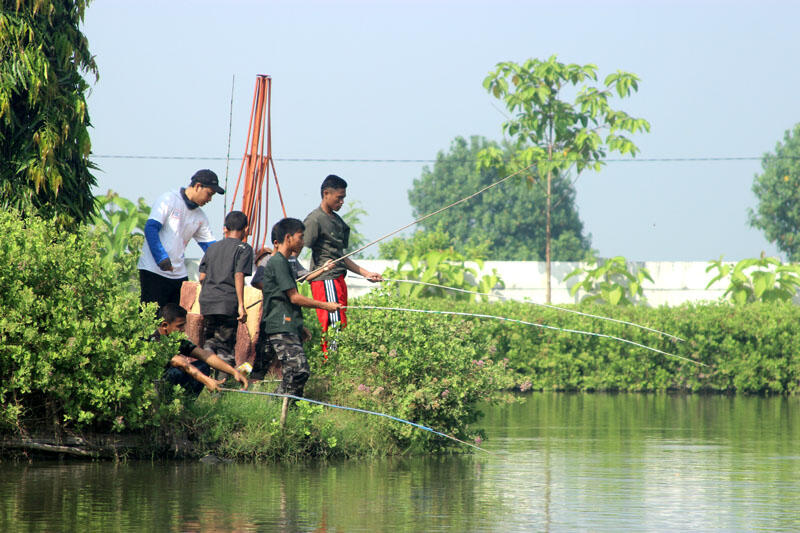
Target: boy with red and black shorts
328	236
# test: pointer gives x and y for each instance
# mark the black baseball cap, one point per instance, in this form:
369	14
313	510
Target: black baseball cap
207	178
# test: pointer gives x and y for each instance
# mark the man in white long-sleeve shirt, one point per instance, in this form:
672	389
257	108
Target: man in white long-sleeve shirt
175	219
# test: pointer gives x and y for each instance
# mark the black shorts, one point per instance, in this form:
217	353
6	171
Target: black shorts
159	289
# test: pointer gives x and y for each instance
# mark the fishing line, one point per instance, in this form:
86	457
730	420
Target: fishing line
524	322
356	409
420	219
503	298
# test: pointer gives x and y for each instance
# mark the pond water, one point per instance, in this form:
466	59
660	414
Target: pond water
558	462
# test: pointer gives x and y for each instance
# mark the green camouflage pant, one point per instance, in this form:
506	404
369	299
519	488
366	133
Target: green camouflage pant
294	365
220	336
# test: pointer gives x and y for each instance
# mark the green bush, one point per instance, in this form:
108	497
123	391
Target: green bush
753	348
429	370
72	338
610	282
430	258
762	279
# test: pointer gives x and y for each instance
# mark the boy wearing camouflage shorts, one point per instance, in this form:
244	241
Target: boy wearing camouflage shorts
282	320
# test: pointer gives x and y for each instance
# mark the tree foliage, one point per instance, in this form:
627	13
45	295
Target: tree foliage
118	227
555	134
778	191
507	220
44	140
116	222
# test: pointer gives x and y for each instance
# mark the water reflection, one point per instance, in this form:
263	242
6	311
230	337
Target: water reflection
652	461
560	462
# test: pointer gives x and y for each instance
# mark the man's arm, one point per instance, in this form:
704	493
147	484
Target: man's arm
308	276
238	282
218	364
203	235
304	301
312	231
151	229
183	363
201	270
243	266
352	267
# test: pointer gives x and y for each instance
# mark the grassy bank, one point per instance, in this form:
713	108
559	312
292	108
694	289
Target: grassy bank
435	369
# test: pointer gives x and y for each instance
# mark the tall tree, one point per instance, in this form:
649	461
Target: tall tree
44	139
556	136
778	191
507	219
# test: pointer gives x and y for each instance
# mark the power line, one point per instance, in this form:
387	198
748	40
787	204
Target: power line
370	160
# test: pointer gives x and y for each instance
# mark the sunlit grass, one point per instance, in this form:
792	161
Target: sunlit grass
247	427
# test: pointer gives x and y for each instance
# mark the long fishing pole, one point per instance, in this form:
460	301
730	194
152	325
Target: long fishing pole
420	219
503	298
524	322
228	157
540	325
356	409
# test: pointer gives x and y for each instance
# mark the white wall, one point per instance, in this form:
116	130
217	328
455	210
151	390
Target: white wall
675	281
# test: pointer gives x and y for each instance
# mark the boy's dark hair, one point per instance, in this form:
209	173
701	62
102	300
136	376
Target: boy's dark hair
235	221
171	312
332	182
287	226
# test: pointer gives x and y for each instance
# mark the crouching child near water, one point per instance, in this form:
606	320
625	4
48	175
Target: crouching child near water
282	320
222	272
191	376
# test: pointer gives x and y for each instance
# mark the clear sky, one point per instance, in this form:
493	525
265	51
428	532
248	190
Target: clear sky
400	80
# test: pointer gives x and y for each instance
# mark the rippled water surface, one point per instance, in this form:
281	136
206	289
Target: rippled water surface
559	462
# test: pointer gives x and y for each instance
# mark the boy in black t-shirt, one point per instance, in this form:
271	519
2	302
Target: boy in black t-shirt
192	376
282	320
222	273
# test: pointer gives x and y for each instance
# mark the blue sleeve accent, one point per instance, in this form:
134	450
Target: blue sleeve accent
151	229
204	245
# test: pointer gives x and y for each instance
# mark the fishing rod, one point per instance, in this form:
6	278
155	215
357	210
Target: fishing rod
524	322
527	323
420	219
356	409
503	298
